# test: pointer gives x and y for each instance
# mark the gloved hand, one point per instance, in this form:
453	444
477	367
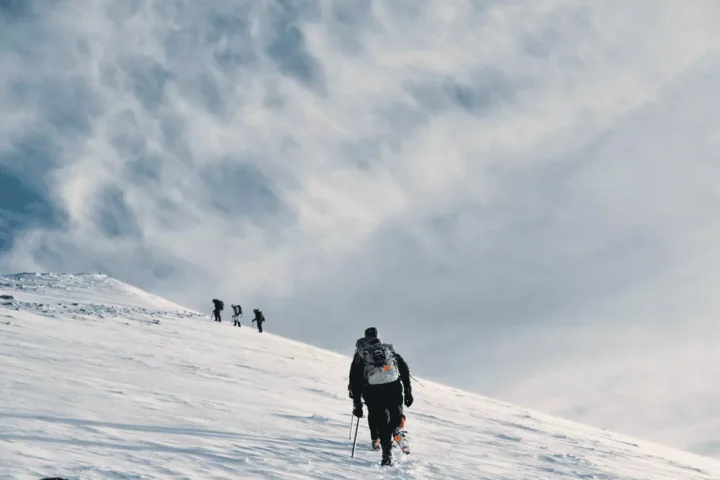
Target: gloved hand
408	397
358	410
350	392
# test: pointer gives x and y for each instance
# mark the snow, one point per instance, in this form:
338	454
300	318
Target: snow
100	380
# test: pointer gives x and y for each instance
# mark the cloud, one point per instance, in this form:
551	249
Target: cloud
503	188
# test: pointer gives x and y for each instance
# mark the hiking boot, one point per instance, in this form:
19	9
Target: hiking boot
376	444
387	459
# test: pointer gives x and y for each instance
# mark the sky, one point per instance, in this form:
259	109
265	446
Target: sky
521	196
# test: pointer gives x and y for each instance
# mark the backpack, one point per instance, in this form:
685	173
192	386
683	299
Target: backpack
380	363
219	304
359	345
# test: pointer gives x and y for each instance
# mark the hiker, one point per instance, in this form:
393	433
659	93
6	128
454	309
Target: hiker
370	334
259	318
237	313
381	377
219	306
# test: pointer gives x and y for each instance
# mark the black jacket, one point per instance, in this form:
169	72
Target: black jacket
358	384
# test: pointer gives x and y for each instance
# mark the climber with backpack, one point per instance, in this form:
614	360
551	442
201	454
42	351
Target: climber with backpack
381	377
237	313
259	318
370	334
219	306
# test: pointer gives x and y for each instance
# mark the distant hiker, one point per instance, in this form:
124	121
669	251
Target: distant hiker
380	376
259	318
237	313
219	306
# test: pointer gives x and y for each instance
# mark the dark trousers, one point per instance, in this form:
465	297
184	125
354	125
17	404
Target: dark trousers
216	315
385	411
373	426
260	326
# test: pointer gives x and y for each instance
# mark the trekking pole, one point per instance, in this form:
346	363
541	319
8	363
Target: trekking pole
350	432
352	455
418	381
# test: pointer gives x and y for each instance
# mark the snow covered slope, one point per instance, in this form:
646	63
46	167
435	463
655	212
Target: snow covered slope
101	380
